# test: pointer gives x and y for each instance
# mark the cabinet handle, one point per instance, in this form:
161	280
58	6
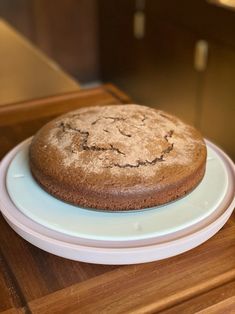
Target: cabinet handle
139	19
201	55
139	25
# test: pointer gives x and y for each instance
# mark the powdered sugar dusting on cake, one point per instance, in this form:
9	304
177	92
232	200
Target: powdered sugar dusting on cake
130	138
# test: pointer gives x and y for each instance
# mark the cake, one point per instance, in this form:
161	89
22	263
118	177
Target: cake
117	157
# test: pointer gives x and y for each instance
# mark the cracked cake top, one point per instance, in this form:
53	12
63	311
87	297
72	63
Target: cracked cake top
116	146
115	137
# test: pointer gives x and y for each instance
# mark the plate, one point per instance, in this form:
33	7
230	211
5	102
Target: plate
74	221
76	249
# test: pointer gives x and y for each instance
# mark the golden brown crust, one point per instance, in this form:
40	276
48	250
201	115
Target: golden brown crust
148	158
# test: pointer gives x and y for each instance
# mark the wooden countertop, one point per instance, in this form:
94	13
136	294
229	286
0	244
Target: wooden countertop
33	281
26	73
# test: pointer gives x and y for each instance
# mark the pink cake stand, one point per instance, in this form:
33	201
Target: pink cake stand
76	248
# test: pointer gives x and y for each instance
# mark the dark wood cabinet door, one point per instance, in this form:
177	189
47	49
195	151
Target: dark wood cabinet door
156	70
168	76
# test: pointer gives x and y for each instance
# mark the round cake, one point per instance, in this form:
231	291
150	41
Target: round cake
117	157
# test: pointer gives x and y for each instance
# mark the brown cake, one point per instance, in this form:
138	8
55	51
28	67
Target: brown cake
118	157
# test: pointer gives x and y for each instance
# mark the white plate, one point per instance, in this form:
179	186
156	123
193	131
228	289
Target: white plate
118	256
72	247
56	215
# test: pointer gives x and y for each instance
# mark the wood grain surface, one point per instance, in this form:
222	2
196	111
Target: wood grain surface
34	281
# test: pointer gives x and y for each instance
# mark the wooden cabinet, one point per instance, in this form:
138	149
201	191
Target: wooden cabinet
167	77
156	70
